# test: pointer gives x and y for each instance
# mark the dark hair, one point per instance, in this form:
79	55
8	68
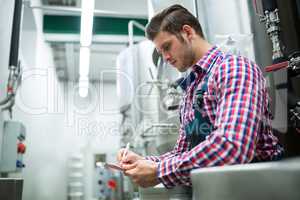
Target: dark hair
171	20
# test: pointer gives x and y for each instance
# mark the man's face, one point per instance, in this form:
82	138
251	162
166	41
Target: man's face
175	51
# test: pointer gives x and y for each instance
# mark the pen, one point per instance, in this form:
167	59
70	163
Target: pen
125	151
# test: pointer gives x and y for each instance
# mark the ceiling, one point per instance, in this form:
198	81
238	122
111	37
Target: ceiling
102	61
105	47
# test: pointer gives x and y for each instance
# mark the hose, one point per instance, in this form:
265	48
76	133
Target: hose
10	105
7	99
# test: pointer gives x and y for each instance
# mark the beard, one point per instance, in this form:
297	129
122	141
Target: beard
187	56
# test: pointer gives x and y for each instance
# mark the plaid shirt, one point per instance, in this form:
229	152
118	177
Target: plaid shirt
237	105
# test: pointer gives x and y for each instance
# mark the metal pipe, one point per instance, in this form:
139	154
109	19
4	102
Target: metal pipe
195	4
206	23
131	25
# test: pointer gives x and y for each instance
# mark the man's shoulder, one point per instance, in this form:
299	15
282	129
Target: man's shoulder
231	61
231	65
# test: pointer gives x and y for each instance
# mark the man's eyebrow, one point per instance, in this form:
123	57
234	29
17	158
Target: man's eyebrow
163	46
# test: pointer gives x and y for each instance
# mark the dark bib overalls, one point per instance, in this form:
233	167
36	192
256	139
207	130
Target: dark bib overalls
200	127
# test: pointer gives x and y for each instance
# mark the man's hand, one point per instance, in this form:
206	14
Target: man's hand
142	172
129	158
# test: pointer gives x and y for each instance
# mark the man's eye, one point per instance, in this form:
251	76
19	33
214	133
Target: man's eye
167	47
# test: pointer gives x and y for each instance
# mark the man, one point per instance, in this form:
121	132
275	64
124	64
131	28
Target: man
224	113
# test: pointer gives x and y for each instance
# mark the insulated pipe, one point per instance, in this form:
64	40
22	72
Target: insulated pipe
14	51
271	19
269	5
15	36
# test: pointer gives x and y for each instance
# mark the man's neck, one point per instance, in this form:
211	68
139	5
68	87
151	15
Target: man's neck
201	48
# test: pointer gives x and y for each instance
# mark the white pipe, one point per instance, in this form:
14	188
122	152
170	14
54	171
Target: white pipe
131	25
84	61
150	9
86	22
195	4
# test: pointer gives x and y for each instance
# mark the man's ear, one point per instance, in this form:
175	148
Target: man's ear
188	31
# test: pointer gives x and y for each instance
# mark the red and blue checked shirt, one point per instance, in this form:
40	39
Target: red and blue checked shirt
237	105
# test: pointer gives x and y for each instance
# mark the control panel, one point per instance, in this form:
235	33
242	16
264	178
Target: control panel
12	147
106	182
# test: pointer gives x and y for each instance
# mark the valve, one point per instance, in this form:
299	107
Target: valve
20	164
21	148
295	117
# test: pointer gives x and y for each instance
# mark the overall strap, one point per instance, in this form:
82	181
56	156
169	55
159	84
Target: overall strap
200	127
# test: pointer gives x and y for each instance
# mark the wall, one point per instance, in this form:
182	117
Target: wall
219	19
71	125
45	163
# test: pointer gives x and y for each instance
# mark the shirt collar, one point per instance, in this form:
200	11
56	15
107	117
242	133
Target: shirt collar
207	60
201	66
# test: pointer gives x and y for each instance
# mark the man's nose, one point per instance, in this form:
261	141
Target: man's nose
167	57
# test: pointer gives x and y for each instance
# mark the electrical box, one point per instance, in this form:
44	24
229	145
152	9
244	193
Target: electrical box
100	177
106	183
1	134
12	147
